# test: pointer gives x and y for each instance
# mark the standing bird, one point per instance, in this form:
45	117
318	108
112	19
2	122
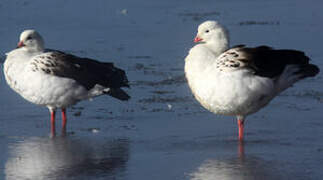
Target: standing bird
241	80
58	80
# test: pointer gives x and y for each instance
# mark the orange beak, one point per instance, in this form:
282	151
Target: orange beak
20	44
197	39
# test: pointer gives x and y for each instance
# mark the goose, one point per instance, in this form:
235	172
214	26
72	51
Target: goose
59	80
241	80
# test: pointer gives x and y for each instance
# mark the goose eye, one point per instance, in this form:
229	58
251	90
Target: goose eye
207	31
29	37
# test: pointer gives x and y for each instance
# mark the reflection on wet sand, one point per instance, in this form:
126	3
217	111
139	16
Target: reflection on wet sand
66	158
241	167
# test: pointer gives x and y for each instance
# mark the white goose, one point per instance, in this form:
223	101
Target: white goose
58	80
241	80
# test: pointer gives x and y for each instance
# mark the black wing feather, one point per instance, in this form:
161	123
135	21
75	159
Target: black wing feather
85	71
268	62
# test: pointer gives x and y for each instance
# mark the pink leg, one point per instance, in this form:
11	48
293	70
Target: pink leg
52	122
240	125
241	150
64	119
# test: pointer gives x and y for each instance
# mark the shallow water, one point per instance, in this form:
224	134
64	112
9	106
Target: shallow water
162	132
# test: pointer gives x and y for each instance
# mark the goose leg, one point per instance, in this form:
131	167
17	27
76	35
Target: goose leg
64	121
52	122
241	126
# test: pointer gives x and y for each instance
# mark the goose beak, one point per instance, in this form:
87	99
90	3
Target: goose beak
20	44
197	39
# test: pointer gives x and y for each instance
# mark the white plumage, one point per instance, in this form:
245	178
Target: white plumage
241	80
38	87
58	80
